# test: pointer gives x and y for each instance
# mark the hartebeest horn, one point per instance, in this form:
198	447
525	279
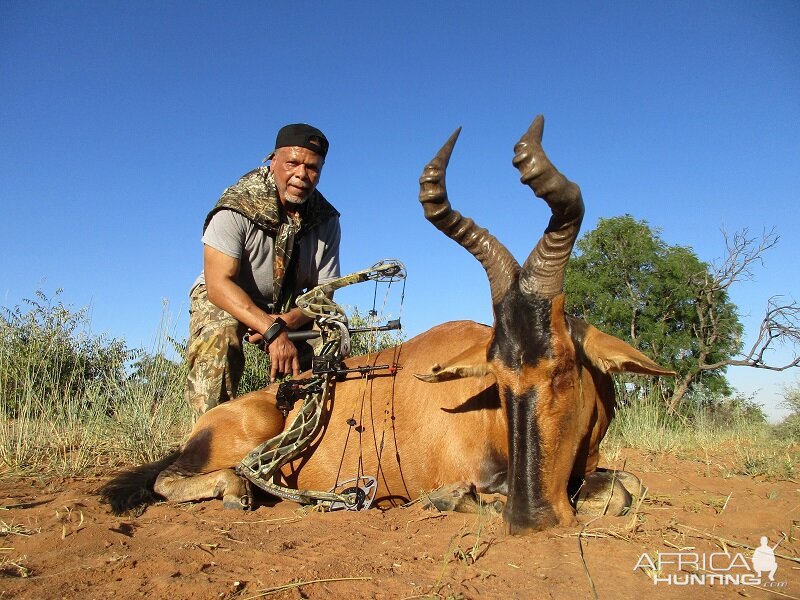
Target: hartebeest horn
500	265
543	272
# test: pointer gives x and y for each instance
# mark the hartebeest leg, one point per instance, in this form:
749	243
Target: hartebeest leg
224	484
460	497
220	439
607	493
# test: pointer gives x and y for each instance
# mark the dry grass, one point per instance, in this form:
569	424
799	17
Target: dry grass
61	420
14	568
752	448
467	546
16	529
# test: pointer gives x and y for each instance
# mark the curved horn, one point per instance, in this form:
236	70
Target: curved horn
543	272
500	265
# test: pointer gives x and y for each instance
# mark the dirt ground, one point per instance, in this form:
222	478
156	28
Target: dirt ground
58	541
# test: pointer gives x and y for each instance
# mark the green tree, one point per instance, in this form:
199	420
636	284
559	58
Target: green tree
674	307
48	355
369	342
789	428
625	280
157	376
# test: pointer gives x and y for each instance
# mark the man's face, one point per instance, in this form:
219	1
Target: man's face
296	171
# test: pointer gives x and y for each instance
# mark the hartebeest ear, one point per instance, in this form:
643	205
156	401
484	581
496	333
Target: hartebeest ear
439	373
470	363
611	355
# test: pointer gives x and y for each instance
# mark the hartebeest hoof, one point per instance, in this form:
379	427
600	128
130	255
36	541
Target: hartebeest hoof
460	497
234	502
225	484
239	499
605	493
631	482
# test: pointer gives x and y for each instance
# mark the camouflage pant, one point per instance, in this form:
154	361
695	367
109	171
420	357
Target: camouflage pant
215	354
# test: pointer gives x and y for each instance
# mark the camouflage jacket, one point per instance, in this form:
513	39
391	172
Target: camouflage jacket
255	196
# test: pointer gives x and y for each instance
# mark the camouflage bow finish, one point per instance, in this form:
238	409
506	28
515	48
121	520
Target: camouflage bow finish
262	463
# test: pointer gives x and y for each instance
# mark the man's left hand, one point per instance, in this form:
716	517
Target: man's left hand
283	357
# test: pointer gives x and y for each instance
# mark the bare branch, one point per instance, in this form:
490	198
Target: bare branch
779	327
742	252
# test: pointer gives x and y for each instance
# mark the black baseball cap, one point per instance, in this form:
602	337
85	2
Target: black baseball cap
303	135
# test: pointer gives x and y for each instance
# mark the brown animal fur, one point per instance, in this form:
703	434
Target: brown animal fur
416	436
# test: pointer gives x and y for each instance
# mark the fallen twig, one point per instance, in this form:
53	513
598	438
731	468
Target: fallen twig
297	584
583	560
735	543
425	518
724	506
279	520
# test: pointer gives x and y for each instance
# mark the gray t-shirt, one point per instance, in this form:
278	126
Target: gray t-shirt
236	236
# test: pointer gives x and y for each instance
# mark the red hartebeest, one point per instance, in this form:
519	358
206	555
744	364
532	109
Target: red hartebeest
517	408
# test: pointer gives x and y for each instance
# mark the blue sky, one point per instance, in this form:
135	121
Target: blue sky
121	123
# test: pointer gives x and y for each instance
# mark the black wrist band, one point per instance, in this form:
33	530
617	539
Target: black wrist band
274	330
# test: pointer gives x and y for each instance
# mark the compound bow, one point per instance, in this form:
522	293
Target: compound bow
263	462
